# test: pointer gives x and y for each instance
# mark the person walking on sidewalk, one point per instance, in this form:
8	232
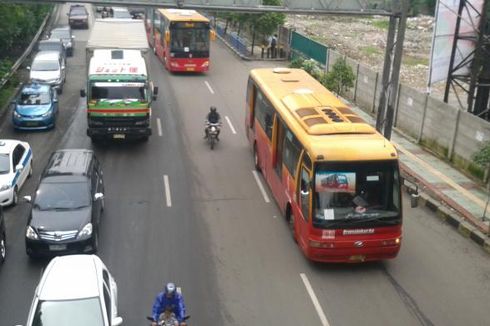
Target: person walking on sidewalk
273	45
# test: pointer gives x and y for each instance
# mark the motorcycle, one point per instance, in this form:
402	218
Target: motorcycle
167	318
104	13
212	130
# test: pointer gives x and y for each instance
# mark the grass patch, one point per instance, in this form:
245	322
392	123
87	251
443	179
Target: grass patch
370	50
5	93
413	61
381	23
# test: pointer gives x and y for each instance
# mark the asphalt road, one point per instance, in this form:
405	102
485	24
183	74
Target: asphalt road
175	210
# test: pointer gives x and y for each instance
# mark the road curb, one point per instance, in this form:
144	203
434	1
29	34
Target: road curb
247	58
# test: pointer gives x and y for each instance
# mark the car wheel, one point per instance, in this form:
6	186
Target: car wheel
95	242
15	196
3	248
30	171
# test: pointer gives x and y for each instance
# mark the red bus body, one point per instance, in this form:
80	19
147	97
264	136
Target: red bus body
346	244
180	38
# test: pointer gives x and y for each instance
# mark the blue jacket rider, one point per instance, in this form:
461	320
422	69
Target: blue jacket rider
169	298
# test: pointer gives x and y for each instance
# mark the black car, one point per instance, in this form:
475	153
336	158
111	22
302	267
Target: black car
3	238
78	16
64	34
67	206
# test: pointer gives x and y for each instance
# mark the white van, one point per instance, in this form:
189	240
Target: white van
49	67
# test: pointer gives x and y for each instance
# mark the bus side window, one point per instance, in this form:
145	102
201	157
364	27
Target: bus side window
264	114
251	94
292	151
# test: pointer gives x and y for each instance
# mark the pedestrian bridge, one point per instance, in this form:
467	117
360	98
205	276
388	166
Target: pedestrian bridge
347	7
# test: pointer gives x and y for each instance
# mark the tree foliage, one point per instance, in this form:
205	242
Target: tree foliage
340	77
482	157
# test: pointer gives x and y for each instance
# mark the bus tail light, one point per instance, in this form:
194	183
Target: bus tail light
318	244
205	64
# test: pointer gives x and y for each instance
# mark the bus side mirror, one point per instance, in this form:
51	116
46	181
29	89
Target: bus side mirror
212	35
82	93
167	36
413	190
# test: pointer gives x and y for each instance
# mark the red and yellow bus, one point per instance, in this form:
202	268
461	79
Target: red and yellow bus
333	176
180	38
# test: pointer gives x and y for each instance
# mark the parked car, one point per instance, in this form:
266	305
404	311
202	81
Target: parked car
35	107
3	238
78	16
48	67
52	44
67	207
15	168
75	290
120	12
64	34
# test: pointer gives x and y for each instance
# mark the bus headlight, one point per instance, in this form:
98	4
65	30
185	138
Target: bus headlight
205	64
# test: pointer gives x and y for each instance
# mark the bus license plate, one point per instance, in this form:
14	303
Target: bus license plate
357	258
119	136
189	69
57	247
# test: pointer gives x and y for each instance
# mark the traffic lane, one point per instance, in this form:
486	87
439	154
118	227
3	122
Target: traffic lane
386	306
19	275
258	266
144	240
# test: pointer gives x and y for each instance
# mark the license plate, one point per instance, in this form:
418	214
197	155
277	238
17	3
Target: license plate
119	136
57	247
357	258
189	69
31	123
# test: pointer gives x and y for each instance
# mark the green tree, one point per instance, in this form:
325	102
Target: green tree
340	78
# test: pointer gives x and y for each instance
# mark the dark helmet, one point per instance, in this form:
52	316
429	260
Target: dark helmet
169	288
212	109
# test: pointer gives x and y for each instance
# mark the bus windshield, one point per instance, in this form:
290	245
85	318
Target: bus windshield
193	39
356	192
127	92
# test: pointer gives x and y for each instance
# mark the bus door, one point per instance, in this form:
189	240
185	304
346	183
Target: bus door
278	184
305	193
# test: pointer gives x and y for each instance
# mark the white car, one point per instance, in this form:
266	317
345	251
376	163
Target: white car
15	168
75	290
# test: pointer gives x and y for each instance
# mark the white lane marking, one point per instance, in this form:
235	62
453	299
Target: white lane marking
159	126
231	126
314	299
209	87
167	191
262	190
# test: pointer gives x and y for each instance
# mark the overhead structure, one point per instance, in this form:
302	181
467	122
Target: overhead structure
396	10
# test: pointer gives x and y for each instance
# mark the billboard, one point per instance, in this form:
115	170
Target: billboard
443	37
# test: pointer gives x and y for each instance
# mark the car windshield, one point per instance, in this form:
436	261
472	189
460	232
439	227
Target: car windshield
45	65
78	12
30	98
62	195
60	33
50	46
356	191
80	312
102	91
4	163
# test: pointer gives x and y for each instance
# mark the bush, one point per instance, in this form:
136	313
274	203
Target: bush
340	78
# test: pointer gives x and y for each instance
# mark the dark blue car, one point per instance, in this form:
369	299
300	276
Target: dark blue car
35	107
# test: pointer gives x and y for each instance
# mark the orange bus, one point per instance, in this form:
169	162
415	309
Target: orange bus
333	176
180	38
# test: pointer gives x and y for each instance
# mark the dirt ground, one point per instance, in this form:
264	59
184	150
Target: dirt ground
364	39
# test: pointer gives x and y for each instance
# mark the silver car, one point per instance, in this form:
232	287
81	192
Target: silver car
64	34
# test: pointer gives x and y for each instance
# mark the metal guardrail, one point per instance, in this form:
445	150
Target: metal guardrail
26	53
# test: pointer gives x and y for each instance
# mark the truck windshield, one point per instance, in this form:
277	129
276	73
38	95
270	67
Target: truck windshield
193	38
356	192
118	91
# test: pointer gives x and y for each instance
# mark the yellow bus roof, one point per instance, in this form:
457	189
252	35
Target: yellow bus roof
327	128
183	15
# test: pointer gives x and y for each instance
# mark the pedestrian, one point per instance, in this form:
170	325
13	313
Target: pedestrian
273	45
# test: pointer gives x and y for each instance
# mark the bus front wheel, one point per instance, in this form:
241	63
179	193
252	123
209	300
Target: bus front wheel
256	159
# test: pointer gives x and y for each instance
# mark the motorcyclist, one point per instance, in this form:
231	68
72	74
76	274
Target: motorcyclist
169	299
213	117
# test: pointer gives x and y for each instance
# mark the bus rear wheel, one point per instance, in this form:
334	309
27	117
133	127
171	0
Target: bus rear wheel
290	219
